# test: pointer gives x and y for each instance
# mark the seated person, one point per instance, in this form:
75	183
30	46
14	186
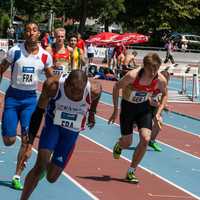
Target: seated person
105	74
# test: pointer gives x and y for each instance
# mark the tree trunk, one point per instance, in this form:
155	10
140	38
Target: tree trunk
83	16
106	25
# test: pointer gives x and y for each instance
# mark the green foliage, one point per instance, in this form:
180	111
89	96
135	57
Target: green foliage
134	15
4	24
145	15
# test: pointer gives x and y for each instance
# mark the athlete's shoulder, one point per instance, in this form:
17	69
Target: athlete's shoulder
43	51
51	85
18	47
134	72
51	82
161	78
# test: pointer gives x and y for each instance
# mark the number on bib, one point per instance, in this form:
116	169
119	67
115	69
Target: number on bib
139	97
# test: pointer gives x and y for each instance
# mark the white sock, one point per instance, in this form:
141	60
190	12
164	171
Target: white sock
131	169
16	177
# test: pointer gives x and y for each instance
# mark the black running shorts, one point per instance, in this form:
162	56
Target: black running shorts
140	114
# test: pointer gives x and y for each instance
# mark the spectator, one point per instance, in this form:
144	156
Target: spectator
110	56
169	46
80	43
90	53
184	46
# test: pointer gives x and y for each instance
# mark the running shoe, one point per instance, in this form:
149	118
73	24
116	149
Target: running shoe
130	177
16	184
117	150
155	146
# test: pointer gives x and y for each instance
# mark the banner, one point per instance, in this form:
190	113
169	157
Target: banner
100	52
4	44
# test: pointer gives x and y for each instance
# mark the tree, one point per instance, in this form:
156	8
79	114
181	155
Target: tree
145	15
109	11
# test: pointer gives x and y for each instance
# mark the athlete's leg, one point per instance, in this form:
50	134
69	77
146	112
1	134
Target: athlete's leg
26	109
126	127
33	176
48	141
62	154
9	127
145	135
155	130
144	123
125	141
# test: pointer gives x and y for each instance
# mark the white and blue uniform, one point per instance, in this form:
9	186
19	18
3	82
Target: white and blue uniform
64	120
20	98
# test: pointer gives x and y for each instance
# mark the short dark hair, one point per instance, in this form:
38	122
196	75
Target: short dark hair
73	35
79	75
28	23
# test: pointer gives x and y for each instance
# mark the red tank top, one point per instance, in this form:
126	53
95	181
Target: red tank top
60	56
145	88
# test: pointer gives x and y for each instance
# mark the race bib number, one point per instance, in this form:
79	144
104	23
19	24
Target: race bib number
68	120
58	71
26	76
139	97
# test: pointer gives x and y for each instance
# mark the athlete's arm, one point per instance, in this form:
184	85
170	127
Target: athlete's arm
96	90
49	72
121	84
3	67
162	84
49	90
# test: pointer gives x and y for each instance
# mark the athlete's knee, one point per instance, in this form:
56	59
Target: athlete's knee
51	178
24	140
8	141
145	137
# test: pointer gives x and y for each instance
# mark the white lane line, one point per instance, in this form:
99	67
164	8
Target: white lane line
169	196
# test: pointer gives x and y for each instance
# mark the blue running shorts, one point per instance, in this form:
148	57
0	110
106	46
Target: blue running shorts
18	107
60	141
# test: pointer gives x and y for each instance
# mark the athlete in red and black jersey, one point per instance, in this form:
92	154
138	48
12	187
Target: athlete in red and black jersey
60	53
137	87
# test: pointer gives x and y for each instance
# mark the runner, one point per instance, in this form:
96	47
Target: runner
77	57
129	62
137	86
120	51
27	60
60	53
157	126
68	98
